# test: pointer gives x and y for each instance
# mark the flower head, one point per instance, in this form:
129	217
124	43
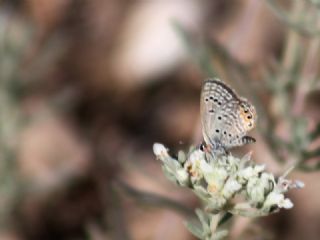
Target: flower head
218	179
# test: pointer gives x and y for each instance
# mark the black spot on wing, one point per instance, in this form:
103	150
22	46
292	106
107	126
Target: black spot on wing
223	85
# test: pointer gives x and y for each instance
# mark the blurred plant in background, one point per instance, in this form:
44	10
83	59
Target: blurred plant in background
87	86
292	81
14	37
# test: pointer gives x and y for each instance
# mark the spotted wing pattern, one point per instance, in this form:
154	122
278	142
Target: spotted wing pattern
226	118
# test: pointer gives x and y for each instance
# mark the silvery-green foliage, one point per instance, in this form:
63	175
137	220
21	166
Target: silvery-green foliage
209	222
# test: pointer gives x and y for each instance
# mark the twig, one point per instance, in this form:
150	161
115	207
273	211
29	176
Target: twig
114	216
153	199
298	26
199	54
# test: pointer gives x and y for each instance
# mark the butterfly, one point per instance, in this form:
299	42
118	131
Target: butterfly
226	118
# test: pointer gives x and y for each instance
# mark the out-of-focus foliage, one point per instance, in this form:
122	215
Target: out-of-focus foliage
87	86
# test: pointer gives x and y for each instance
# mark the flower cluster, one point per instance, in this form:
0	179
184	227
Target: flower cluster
219	180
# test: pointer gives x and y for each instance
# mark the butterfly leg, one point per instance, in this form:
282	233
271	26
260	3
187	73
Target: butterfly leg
205	147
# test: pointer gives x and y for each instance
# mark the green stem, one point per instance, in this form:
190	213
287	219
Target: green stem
226	217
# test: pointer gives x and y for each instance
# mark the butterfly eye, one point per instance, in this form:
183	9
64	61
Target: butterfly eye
246	111
249	117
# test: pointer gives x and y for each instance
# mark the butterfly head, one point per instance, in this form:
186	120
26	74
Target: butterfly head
248	115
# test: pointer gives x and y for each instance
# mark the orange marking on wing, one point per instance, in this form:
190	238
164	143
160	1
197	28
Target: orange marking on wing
249	123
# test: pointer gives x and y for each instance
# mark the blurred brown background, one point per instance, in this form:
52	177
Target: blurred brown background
87	86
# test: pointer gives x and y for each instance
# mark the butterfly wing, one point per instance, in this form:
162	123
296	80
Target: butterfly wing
215	97
243	121
224	116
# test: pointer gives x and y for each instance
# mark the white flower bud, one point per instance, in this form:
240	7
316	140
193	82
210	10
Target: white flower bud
259	168
246	173
299	184
230	188
182	176
192	165
277	199
286	203
205	167
196	156
215	177
249	172
255	191
159	150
